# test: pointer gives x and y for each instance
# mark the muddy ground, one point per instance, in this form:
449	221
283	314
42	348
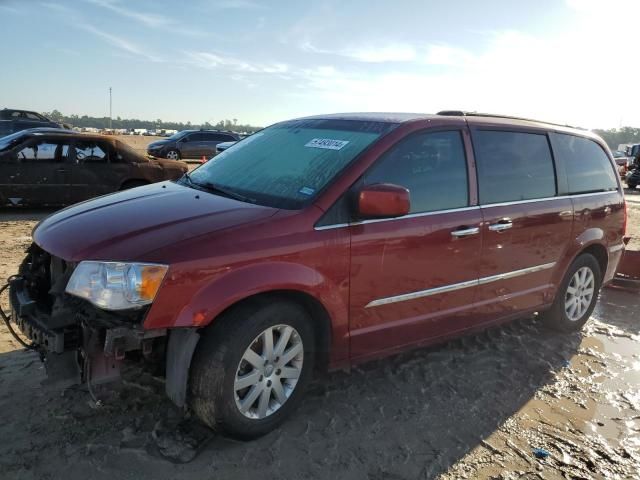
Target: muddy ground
472	408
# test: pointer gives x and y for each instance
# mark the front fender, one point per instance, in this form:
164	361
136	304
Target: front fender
244	282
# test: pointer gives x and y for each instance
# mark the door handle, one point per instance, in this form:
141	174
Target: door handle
61	170
501	225
465	232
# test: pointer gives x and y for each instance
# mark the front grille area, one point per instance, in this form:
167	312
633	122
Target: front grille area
45	277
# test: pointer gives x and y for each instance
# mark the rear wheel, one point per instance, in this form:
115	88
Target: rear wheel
249	371
577	295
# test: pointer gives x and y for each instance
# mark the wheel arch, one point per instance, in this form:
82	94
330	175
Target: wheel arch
184	341
592	241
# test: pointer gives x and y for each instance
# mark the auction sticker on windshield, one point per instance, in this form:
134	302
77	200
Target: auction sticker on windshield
326	143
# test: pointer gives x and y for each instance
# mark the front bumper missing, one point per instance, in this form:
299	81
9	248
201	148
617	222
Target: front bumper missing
76	344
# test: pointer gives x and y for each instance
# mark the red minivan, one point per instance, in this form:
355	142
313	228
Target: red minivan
319	243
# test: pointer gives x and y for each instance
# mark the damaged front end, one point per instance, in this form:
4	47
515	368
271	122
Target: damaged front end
77	341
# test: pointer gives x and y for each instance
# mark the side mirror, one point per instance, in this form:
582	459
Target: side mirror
383	200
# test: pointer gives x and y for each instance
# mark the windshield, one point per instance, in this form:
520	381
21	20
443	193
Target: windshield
10	140
288	164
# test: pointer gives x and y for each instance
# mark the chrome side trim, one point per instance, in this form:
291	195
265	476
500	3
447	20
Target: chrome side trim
458	286
515	273
422	293
616	248
330	227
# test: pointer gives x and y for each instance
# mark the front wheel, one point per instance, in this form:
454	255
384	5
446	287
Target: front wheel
577	295
250	370
173	155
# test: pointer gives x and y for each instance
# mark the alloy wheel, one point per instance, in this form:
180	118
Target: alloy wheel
172	155
579	293
268	371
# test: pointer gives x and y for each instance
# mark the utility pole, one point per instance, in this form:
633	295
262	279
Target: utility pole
110	118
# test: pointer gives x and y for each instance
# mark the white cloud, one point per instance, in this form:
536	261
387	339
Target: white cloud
584	75
146	18
212	61
446	55
391	52
121	43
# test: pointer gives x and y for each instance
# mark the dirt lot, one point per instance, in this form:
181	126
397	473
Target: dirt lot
139	142
472	408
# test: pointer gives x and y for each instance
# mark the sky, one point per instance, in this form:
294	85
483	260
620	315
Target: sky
566	61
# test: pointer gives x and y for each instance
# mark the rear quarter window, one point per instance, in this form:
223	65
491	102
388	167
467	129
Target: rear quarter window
513	166
586	163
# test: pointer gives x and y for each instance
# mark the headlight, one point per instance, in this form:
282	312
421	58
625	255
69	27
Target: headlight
115	285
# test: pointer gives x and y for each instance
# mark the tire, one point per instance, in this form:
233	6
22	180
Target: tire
570	317
173	155
220	360
133	184
632	186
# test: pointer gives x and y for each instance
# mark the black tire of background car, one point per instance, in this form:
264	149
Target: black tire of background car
218	355
556	317
173	151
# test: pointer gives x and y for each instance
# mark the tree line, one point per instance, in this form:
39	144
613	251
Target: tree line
86	121
613	136
617	136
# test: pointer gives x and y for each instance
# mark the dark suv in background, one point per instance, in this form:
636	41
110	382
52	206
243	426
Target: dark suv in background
12	121
190	144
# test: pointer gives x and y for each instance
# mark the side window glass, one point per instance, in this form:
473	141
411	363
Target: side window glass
513	166
587	165
32	116
432	166
90	152
43	151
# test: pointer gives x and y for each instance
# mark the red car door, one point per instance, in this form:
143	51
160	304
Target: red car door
414	278
526	226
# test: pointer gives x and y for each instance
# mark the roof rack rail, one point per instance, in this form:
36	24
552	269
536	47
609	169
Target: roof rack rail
460	113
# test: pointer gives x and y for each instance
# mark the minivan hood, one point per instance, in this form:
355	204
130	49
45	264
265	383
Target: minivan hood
124	226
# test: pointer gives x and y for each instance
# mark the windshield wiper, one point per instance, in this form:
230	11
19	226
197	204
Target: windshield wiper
213	188
216	189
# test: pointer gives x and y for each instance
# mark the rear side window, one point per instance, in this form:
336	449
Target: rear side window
587	165
196	137
432	166
218	137
513	166
43	151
